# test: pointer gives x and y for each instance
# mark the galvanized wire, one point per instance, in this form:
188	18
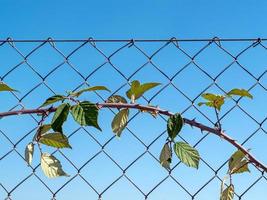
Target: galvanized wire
226	47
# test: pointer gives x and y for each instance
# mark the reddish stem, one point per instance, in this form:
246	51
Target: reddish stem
193	123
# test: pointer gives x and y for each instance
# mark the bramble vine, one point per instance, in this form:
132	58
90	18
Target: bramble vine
85	113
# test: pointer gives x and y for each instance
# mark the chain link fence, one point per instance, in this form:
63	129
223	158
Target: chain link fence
105	167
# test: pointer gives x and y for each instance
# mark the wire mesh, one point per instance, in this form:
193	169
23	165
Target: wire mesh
100	165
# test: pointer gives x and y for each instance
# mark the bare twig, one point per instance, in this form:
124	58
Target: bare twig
194	123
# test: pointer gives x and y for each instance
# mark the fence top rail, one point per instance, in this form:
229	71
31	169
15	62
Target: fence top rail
137	40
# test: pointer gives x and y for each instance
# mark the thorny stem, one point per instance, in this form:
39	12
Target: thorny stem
192	123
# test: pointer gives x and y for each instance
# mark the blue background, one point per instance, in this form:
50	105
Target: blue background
132	19
125	20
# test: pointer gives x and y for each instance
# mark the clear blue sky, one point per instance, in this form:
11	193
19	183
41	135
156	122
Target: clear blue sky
132	19
145	19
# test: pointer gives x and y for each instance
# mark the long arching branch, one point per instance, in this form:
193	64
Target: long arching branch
193	123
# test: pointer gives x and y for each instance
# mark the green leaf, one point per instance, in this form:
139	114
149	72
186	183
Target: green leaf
131	92
85	113
51	166
119	122
187	154
77	94
215	101
174	125
219	102
240	92
238	163
116	99
53	99
209	104
137	90
228	193
42	130
29	153
243	167
165	156
5	87
209	96
223	183
60	117
56	139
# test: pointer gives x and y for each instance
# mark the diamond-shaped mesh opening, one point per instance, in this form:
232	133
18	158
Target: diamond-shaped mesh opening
168	189
156	126
122	189
23	126
213	59
23	78
102	166
81	142
240	133
255	107
132	58
207	189
229	78
221	148
170	58
192	81
25	190
86	59
257	144
179	101
6	145
254	60
44	59
258	188
105	178
9	58
13	176
98	78
247	181
149	68
143	175
62	77
81	188
200	178
150	49
40	93
125	152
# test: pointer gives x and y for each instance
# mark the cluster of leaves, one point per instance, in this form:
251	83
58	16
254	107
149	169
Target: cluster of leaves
184	151
187	154
216	101
137	89
85	113
238	162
